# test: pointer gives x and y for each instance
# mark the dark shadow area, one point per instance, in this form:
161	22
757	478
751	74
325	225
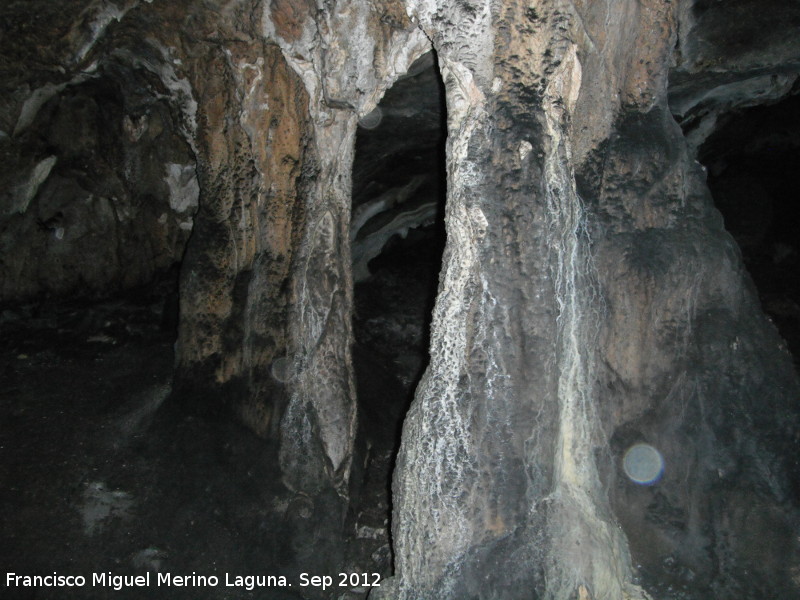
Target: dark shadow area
399	187
103	474
100	474
753	160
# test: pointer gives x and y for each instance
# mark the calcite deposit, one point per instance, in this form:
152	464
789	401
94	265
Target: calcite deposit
590	297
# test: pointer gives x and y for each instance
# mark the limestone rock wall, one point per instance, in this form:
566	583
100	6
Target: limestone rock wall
731	55
99	188
264	273
589	299
99	182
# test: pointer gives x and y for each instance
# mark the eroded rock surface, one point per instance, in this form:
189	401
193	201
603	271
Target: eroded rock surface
99	187
589	299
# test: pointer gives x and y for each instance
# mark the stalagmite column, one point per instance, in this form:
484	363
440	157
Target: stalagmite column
590	300
497	465
234	288
582	256
318	428
347	54
266	288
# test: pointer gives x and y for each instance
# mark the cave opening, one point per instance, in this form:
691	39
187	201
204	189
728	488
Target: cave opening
752	159
397	239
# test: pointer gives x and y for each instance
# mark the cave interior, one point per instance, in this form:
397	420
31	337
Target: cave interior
103	469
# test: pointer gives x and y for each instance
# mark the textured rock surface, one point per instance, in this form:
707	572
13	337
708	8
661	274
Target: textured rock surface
346	55
623	323
509	384
99	190
589	298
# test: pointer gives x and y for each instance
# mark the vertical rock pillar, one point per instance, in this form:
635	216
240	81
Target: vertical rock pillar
318	427
347	53
235	287
266	290
496	487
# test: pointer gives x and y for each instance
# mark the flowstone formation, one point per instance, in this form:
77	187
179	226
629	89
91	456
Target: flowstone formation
509	388
590	301
587	290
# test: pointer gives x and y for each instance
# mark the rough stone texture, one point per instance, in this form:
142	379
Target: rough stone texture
589	296
99	190
509	385
99	178
687	381
245	114
347	55
616	322
235	291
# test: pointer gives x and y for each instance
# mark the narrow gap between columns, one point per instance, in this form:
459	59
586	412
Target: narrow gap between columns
398	237
752	159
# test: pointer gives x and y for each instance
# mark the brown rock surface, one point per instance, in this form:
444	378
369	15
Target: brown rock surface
589	298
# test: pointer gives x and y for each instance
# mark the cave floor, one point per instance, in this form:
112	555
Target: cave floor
101	474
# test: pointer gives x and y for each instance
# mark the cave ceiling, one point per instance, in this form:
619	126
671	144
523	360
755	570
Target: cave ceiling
727	57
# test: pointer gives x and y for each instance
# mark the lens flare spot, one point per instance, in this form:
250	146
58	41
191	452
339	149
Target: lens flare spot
372	119
643	464
282	369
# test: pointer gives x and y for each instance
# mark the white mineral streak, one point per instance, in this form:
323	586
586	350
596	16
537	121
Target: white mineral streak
384	202
744	92
437	447
184	190
365	247
437	443
27	190
251	96
524	149
33	103
588	548
180	90
99	15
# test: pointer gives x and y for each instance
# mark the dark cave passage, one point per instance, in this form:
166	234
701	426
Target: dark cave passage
753	160
103	195
398	238
92	246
